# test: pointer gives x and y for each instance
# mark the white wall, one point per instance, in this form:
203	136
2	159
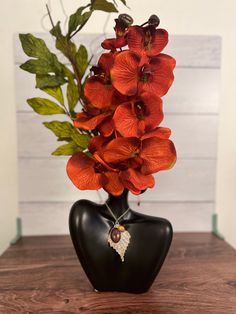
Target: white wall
8	166
215	17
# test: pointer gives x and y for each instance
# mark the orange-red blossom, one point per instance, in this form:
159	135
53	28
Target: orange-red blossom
124	107
123	162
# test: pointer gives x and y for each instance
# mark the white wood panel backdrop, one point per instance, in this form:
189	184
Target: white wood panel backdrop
185	195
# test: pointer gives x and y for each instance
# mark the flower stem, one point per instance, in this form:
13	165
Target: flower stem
50	17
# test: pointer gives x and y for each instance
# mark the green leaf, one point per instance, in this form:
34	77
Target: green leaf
56	30
33	46
43	81
75	20
46	61
66	149
45	106
63	43
72	94
78	18
60	129
65	139
68	73
85	18
65	130
57	66
104	5
82	140
39	66
55	92
66	46
43	66
82	59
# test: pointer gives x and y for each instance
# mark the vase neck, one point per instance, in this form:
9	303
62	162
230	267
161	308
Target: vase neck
118	204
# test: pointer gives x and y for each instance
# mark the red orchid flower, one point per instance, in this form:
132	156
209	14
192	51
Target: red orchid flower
160	132
156	153
130	77
107	127
90	174
87	121
126	165
124	106
114	43
91	117
146	40
103	121
139	115
93	173
120	149
120	40
97	142
136	182
121	26
98	89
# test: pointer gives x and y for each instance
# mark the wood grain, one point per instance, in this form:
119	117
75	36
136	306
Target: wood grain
38	218
42	275
46	180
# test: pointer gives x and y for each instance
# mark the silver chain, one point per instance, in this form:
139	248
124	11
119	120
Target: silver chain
116	219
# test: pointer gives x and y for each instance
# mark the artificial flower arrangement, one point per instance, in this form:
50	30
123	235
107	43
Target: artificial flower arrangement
115	141
114	110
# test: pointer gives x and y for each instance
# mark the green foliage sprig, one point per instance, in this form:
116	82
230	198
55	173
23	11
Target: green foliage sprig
51	75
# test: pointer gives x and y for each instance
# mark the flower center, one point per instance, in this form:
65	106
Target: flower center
99	168
123	165
145	73
147	40
139	108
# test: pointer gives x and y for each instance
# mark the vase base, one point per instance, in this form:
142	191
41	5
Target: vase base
151	238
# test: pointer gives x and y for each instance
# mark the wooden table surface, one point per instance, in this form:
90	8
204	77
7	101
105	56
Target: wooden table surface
43	275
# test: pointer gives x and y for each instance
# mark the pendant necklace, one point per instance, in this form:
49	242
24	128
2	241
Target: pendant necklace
118	237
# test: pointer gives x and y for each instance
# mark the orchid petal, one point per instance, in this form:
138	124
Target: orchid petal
157	154
80	170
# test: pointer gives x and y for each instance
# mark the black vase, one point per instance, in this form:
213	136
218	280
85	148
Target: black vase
150	240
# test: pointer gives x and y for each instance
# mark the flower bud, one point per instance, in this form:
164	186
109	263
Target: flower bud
126	19
154	20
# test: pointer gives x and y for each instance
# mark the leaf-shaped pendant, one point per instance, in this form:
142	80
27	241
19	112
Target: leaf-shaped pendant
119	239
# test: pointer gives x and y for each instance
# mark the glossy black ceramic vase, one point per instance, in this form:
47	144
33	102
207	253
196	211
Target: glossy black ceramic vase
150	240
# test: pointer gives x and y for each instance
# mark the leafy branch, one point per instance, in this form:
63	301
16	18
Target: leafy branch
51	75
